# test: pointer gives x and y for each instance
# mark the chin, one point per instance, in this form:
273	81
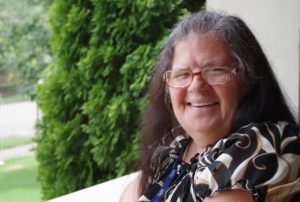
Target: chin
206	128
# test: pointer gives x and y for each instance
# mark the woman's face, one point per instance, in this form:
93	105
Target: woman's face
204	111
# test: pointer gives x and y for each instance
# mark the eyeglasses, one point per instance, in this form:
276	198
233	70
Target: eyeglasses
212	75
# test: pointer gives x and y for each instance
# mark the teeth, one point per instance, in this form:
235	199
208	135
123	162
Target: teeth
201	104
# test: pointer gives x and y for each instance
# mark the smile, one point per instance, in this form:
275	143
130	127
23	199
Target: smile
200	105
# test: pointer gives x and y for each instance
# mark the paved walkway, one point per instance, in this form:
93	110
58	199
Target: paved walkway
16	152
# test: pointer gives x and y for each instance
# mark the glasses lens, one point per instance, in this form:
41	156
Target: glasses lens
179	78
212	75
216	75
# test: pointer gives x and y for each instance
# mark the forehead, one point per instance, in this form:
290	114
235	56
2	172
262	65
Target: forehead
201	50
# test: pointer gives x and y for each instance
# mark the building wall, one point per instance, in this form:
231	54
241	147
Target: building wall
276	24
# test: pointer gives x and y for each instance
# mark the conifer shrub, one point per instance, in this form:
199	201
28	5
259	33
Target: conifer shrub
93	93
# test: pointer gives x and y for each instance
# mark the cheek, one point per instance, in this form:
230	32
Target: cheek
177	97
231	98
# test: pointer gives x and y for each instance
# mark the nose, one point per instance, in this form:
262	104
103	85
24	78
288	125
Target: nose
198	83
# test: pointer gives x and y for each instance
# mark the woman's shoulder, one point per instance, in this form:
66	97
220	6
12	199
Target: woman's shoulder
259	157
281	136
280	128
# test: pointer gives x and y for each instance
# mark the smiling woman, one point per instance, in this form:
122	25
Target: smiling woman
205	109
217	127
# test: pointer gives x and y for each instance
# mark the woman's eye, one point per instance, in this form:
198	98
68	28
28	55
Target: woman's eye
216	71
182	75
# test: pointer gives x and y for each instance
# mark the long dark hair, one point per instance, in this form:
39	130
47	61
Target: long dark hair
262	100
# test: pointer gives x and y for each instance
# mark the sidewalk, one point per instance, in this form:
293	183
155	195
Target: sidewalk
16	152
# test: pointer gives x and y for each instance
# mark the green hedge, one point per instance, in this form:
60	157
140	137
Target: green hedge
92	95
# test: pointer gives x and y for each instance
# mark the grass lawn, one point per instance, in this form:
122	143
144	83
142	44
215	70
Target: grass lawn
18	181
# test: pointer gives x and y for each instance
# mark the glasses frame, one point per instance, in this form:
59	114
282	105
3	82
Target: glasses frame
230	70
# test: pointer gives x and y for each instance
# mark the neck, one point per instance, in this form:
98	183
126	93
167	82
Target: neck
191	150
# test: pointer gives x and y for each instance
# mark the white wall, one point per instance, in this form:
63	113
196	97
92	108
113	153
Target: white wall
276	24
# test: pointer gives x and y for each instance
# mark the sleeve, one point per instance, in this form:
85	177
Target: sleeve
263	159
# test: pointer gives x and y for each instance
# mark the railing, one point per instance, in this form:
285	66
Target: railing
109	191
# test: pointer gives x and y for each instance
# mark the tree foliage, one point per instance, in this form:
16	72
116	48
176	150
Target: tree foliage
93	94
24	36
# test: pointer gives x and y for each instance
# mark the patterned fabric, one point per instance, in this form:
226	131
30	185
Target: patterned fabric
263	159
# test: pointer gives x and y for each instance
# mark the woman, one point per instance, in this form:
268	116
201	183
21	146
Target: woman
217	127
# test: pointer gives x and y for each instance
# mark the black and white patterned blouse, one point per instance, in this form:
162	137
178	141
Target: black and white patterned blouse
263	159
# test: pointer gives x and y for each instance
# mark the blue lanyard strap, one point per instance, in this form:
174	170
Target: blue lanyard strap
166	183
